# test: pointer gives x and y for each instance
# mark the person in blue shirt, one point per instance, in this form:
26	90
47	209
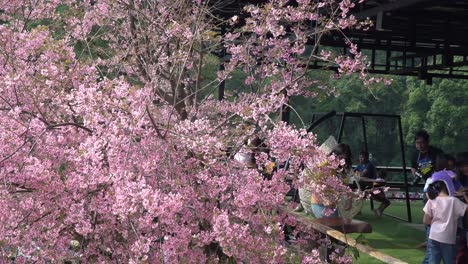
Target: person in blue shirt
365	169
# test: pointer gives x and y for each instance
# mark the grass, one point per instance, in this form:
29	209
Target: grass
394	237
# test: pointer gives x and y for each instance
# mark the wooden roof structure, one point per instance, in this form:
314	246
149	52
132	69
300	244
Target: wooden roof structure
424	38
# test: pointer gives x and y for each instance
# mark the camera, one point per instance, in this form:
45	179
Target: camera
417	177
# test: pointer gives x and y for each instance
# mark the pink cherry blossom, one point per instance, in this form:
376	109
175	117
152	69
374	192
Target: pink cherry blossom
114	148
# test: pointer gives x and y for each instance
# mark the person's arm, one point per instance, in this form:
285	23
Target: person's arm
465	195
356	169
369	173
427	219
364	173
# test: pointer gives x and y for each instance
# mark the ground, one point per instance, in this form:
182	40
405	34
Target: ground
394	237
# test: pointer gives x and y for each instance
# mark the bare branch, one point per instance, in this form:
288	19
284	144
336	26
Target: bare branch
18	149
70	124
154	123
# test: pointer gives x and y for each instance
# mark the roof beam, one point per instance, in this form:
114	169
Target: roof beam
393	5
367	44
428	68
415	74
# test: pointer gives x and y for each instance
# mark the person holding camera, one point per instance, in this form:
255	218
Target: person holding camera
424	158
442	212
425	161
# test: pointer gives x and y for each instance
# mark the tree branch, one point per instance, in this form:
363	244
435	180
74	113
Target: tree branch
70	124
154	123
18	149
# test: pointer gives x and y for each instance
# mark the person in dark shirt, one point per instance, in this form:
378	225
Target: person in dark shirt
462	169
424	158
422	167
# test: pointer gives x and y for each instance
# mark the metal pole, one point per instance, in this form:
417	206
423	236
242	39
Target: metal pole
366	148
221	85
320	120
340	132
364	133
402	146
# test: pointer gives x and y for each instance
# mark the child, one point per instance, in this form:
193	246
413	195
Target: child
441	164
442	212
342	151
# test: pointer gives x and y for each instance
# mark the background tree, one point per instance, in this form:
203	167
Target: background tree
439	108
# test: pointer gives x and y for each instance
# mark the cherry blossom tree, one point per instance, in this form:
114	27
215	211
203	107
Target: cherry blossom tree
113	148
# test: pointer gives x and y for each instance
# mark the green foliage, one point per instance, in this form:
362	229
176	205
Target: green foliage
440	108
94	47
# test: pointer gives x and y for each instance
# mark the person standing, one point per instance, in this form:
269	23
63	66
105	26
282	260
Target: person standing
441	212
422	167
424	158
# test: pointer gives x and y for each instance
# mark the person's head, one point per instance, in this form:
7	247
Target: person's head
437	188
342	151
363	156
451	162
442	181
441	163
421	141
